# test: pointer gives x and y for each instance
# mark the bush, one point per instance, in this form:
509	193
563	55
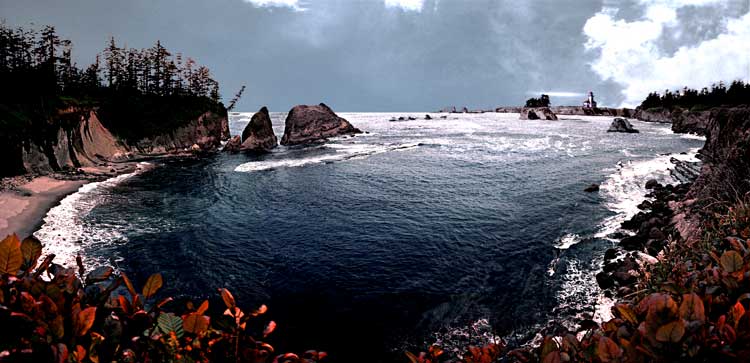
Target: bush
50	313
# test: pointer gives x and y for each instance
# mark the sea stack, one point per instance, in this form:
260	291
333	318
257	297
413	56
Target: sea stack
306	124
620	124
537	113
258	135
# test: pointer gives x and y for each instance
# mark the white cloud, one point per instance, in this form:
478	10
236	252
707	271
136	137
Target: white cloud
631	55
292	4
410	5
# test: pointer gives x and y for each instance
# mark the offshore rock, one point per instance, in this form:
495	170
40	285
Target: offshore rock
620	124
306	124
258	134
537	113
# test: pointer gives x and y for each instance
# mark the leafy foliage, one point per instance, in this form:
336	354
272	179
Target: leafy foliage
52	313
542	101
692	307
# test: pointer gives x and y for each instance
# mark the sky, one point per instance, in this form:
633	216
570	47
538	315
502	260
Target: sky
421	55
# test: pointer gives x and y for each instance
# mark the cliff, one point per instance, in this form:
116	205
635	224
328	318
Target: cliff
683	121
725	174
77	137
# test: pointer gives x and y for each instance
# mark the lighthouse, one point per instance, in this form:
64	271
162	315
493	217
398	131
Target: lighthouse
589	102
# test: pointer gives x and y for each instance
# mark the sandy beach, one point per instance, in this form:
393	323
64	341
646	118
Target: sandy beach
22	211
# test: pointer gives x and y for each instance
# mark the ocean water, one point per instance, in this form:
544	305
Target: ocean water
455	231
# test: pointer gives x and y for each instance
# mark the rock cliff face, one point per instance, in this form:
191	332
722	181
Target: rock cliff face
537	113
84	141
726	156
683	121
725	173
306	124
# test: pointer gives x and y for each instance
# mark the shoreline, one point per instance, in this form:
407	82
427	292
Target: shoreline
26	200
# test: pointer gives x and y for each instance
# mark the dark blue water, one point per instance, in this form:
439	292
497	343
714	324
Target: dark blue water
466	229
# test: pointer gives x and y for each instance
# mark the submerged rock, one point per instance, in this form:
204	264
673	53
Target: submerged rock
620	124
592	188
306	124
537	113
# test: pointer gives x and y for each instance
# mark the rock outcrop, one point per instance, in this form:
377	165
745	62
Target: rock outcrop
725	174
79	139
587	111
537	113
306	124
683	121
257	136
620	124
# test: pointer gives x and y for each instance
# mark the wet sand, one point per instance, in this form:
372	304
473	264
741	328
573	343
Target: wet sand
23	211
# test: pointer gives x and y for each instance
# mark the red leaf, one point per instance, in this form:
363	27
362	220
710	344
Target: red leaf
607	350
152	285
228	298
11	257
269	328
691	308
85	320
671	332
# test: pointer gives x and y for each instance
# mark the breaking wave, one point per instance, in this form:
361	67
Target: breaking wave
342	152
65	232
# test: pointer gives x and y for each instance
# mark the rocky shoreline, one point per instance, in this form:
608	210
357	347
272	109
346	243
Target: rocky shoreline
674	212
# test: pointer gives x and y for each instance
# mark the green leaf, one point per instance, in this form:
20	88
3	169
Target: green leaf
11	257
31	250
168	323
731	261
671	332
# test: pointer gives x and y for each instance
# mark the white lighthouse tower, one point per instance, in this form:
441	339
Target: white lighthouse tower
590	102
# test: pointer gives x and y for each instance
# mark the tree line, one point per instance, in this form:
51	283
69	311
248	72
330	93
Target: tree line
738	93
542	101
40	62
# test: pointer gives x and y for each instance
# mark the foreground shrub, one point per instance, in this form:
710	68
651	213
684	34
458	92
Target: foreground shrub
50	313
691	306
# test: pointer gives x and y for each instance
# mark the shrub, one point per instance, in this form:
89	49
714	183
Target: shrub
50	313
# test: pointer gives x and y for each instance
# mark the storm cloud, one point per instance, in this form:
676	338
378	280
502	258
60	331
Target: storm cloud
407	55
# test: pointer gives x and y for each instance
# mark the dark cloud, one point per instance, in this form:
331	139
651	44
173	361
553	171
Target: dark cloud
354	55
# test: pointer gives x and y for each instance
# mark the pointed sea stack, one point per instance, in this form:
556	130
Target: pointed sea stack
306	124
258	135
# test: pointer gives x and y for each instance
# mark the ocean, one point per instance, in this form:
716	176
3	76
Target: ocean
462	230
